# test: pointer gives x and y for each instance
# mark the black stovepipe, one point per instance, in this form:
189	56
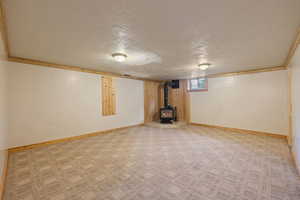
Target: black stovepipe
166	94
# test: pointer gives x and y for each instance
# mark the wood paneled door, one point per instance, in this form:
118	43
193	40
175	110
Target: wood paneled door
108	96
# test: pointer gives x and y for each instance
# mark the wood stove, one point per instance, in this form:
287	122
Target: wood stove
168	112
167	115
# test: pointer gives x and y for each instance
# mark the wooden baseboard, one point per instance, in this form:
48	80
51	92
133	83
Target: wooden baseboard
3	176
31	146
241	130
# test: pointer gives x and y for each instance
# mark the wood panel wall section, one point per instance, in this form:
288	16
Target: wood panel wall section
180	98
187	100
151	101
108	96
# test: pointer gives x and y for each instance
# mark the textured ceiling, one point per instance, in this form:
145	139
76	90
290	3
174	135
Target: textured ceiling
163	39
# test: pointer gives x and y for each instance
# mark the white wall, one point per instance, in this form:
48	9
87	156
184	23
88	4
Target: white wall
256	102
47	104
3	114
295	86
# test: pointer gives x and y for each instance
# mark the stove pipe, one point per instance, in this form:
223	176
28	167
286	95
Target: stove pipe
166	94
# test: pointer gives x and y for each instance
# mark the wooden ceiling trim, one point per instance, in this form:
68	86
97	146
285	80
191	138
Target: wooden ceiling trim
73	68
80	69
292	49
3	29
251	71
245	72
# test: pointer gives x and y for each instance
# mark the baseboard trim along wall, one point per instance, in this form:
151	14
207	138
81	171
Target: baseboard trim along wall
3	175
241	130
31	146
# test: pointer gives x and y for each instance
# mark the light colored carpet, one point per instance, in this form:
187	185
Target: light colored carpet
191	163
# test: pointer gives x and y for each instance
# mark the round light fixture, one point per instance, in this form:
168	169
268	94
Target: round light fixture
204	66
119	57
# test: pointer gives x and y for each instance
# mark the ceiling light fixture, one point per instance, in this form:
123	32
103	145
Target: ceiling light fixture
119	57
204	66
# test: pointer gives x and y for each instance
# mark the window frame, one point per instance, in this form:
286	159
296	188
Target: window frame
198	90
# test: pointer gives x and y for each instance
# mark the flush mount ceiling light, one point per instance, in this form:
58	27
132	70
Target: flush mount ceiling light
119	57
204	66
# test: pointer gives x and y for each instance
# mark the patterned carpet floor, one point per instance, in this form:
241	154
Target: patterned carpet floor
146	163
